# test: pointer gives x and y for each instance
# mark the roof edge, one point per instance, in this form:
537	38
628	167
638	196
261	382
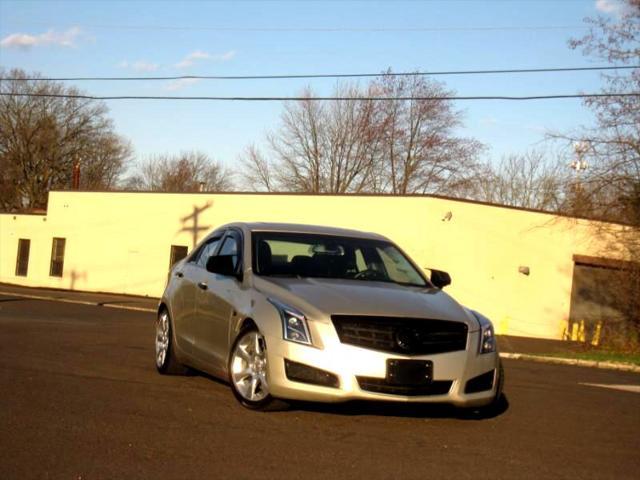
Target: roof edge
375	195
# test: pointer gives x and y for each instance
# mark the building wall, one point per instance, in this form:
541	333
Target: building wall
120	242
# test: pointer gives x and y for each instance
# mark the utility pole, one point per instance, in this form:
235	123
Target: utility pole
75	177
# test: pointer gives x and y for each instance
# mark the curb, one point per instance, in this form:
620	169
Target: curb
625	367
78	302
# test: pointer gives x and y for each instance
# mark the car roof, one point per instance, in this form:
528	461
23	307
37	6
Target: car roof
301	228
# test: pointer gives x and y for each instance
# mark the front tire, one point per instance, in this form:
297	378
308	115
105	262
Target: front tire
166	362
248	372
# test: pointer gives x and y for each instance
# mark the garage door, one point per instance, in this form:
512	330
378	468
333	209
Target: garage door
596	299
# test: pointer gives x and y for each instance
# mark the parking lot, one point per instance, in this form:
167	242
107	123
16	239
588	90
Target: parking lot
80	398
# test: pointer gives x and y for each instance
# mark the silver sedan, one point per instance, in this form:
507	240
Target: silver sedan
297	312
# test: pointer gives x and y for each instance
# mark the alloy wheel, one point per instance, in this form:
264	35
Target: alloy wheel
249	367
162	339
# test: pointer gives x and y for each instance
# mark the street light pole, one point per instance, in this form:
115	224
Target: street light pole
579	164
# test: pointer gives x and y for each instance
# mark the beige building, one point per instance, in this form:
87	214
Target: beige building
515	266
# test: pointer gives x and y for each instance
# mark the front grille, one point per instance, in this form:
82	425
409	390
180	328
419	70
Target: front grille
381	385
409	336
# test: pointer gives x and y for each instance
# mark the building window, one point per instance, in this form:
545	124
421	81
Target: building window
22	262
57	257
178	252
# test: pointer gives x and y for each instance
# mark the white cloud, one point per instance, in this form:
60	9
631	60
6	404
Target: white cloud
139	66
26	41
610	6
197	55
190	59
181	83
227	56
184	63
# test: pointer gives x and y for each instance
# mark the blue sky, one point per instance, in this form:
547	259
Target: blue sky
126	38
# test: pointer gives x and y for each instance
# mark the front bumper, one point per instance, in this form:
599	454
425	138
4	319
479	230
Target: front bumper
349	362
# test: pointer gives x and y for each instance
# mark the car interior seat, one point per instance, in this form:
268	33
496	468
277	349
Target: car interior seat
264	260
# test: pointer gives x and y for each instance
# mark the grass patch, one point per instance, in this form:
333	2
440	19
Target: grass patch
618	357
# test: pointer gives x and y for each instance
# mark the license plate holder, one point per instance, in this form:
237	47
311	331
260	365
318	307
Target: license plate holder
409	372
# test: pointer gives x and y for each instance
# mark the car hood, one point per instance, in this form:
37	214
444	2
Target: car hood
320	298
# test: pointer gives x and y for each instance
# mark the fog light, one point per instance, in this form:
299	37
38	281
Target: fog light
299	372
480	383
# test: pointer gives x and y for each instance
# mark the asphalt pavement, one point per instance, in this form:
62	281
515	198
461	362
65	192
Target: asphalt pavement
80	399
507	343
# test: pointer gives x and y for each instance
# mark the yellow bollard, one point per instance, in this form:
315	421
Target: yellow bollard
596	335
581	335
574	331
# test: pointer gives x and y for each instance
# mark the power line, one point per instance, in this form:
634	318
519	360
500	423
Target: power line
338	99
330	75
479	28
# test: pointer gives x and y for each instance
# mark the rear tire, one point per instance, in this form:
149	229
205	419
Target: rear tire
166	361
248	372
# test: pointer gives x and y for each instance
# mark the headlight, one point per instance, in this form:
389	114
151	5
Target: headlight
487	335
487	340
294	323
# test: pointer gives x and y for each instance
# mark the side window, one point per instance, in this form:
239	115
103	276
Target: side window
206	251
230	247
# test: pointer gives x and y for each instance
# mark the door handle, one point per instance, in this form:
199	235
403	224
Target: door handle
203	285
179	274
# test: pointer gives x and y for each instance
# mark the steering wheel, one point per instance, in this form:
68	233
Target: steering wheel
370	274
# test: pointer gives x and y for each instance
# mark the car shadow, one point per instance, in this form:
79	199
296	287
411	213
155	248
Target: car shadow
386	409
406	410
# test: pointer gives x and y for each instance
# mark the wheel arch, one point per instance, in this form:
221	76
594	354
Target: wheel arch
247	323
162	307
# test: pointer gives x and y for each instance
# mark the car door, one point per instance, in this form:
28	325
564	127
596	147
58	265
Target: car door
215	307
181	291
187	292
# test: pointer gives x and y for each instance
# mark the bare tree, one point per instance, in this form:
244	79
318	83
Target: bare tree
42	137
361	144
186	172
257	170
610	187
104	163
528	180
320	147
420	152
612	148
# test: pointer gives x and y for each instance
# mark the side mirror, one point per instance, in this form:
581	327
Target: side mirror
440	279
222	265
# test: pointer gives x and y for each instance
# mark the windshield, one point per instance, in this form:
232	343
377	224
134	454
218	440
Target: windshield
326	256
